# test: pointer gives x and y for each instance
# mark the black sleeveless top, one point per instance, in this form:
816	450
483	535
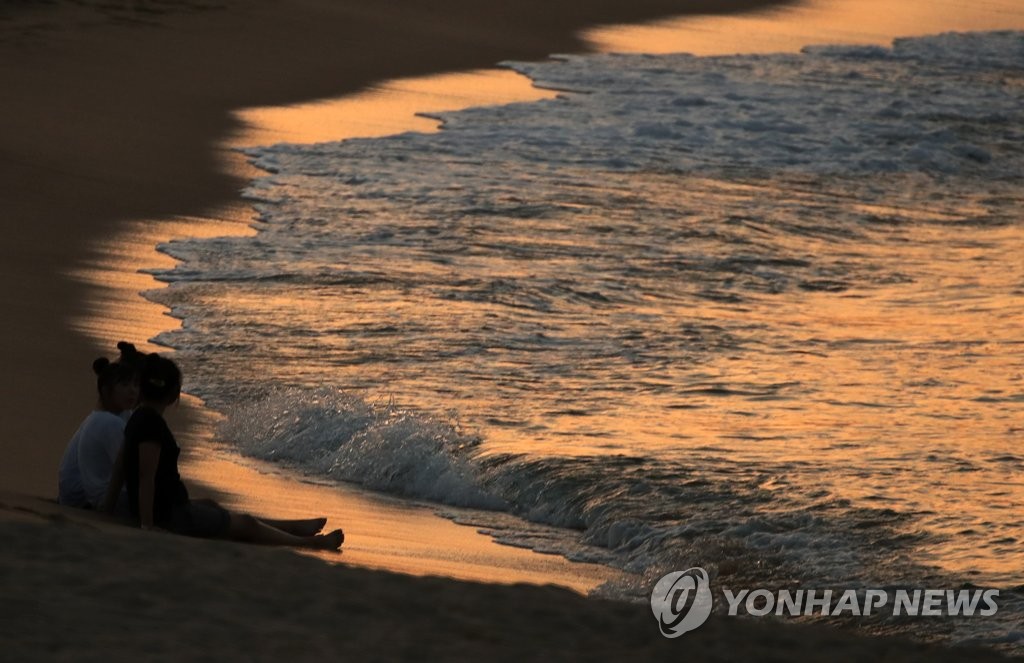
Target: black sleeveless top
147	425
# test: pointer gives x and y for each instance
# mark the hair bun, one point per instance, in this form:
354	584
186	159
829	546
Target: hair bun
100	364
160	379
126	348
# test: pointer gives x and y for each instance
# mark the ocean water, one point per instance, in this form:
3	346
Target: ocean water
760	314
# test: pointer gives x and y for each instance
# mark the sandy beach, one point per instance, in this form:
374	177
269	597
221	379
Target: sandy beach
76	588
117	136
116	121
113	113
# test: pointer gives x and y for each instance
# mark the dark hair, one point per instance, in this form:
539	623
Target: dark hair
109	373
161	379
130	356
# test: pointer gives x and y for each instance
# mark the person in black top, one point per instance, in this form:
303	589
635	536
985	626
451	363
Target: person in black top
158	497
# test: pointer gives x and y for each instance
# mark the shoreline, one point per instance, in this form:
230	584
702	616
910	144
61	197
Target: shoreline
383	532
116	120
380	527
121	137
36	422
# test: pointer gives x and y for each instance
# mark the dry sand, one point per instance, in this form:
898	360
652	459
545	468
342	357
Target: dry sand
110	114
77	588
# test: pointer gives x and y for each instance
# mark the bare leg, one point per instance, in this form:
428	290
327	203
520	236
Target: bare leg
244	527
307	527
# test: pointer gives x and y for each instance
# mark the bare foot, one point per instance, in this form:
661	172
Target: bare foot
330	541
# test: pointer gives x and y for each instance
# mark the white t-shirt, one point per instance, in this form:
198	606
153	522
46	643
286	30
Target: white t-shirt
88	462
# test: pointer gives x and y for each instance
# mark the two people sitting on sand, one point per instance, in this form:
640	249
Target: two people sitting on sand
147	464
92	454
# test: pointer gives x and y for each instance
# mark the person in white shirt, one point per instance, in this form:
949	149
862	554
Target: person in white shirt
89	460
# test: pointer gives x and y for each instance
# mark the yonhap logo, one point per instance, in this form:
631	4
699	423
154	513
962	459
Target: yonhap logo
681	601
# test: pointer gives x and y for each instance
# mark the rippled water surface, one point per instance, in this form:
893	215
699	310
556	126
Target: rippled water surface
757	313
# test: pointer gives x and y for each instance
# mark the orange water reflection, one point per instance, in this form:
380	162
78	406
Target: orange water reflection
117	311
815	22
887	395
390	108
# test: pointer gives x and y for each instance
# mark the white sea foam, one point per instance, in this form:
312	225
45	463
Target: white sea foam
598	509
945	104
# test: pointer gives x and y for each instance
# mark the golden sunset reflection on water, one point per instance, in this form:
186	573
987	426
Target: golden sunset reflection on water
788	29
114	269
905	394
390	108
920	411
